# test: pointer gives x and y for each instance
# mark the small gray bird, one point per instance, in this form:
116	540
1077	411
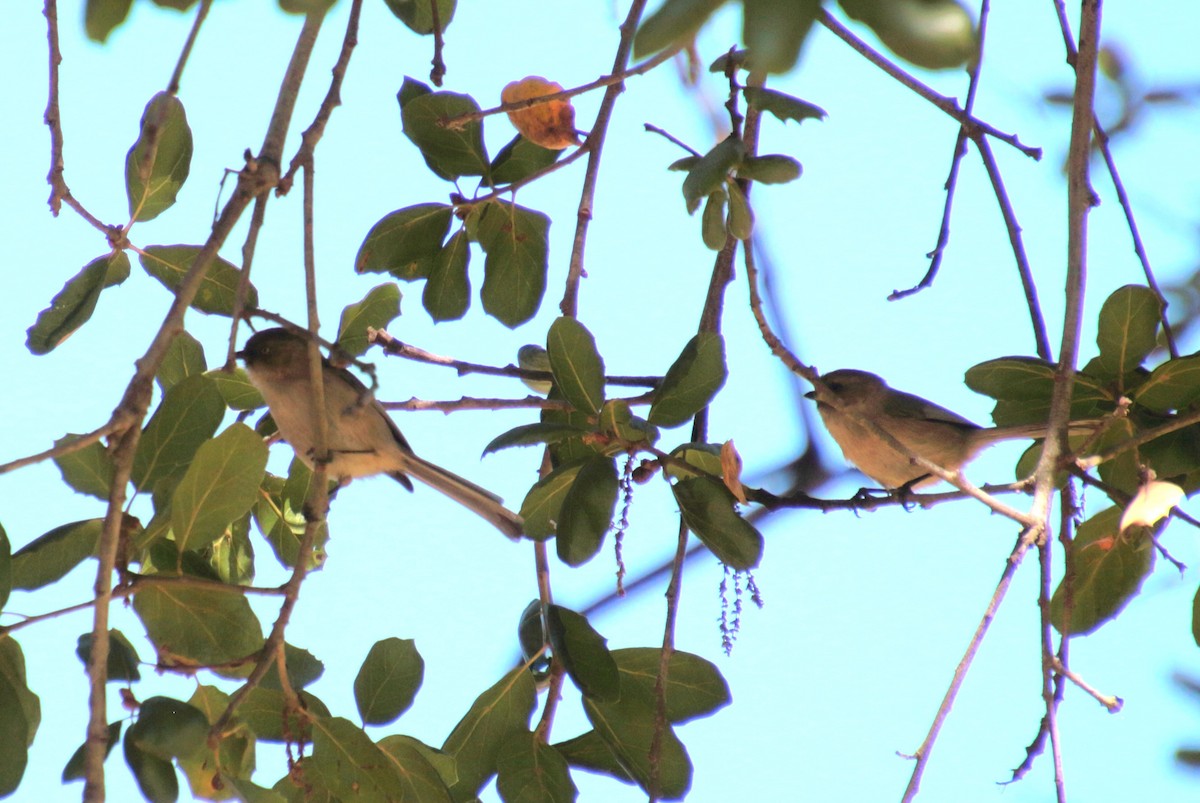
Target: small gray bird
926	429
363	439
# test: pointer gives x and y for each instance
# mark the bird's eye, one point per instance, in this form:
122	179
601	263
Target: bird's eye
836	387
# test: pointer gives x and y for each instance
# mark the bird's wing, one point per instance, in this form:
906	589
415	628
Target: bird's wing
906	405
367	398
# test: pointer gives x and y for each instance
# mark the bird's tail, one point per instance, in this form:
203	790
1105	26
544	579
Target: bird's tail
479	500
1038	431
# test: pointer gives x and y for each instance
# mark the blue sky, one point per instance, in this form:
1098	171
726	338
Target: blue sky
866	615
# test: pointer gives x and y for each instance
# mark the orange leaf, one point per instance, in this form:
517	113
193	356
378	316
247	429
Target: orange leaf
550	124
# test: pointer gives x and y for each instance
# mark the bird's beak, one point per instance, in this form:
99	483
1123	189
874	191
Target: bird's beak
812	394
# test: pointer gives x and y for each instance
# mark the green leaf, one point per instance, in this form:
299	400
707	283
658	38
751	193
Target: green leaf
184	358
47	559
587	511
712	222
619	421
774	31
220	485
704	456
1023	386
263	712
514	272
785	107
590	752
691	382
520	159
279	515
123	659
12	676
197	626
420	768
531	770
543	504
158	163
100	17
568	449
76	302
448	292
530	434
707	508
377	309
576	364
694	685
388	680
88	470
168	728
15	754
450	153
236	390
418	15
1106	569
741	218
1127	330
771	168
74	771
209	772
674	24
735	59
347	765
410	89
710	172
1174	385
406	242
155	776
170	263
935	34
6	568
498	715
584	653
187	417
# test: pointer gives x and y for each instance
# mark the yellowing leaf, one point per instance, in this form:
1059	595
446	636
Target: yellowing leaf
1152	502
550	124
731	470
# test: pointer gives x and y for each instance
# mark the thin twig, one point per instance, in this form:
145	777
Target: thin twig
921	756
63	449
653	129
177	75
1017	242
475	403
960	150
52	116
333	98
615	79
595	146
511	189
1109	701
438	71
391	345
947	105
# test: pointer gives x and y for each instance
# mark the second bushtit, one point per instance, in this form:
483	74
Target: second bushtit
363	439
924	428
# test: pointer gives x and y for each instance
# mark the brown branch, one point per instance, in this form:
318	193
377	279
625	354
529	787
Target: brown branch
1109	701
960	150
438	71
595	146
52	116
333	98
524	181
948	105
70	447
1017	243
177	75
615	79
474	403
391	345
257	177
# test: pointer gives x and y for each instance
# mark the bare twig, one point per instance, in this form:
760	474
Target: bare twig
527	403
438	71
960	150
333	98
177	75
947	105
615	79
398	348
595	147
74	445
1109	701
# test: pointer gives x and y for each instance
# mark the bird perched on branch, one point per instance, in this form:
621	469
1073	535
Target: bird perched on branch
928	430
363	439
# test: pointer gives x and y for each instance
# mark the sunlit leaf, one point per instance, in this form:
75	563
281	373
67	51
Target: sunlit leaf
406	242
88	470
197	626
514	272
576	364
219	486
378	308
47	559
388	680
74	304
158	163
1127	330
184	358
170	264
498	715
449	152
550	124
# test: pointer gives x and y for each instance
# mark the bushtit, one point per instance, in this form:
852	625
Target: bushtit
932	432
363	439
